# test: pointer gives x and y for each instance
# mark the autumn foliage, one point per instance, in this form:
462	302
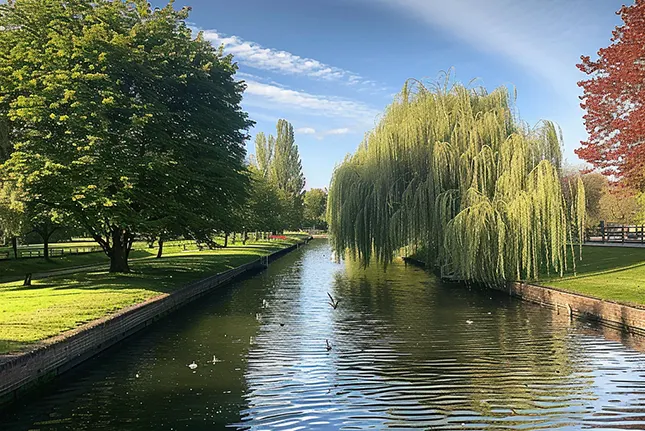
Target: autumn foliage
614	98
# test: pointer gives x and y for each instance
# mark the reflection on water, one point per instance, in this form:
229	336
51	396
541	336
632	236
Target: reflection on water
407	352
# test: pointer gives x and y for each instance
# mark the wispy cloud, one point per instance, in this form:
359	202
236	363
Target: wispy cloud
342	131
271	97
543	36
254	55
322	134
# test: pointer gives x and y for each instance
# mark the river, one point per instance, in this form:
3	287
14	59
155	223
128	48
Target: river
406	352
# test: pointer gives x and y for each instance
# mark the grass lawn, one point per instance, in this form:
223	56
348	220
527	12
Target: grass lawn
612	273
53	305
15	269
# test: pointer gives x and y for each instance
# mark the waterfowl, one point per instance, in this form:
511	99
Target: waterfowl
192	366
333	303
328	346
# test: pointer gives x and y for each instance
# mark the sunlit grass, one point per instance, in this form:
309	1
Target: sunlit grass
610	273
54	305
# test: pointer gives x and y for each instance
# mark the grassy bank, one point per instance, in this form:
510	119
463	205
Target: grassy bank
610	273
54	305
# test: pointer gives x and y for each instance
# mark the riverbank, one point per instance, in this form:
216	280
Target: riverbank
23	371
607	285
29	315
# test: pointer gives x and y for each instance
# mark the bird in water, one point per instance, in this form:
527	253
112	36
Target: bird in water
215	360
328	346
192	366
470	322
333	303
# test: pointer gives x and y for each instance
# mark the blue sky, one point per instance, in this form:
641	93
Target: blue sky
330	67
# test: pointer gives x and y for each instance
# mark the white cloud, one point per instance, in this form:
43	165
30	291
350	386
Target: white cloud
306	131
544	37
269	96
342	131
254	55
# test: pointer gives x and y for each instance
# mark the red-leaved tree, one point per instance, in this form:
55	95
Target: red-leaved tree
614	98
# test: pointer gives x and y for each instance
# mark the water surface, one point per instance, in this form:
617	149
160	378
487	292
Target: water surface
407	352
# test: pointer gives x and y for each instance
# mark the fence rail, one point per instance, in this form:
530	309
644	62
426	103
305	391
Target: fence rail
53	252
616	233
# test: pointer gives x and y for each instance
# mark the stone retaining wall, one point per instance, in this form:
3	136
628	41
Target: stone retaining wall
619	316
23	372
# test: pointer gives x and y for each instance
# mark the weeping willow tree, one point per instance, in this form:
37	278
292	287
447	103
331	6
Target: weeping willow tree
450	170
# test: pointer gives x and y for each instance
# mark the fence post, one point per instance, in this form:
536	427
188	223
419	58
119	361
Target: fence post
622	233
602	230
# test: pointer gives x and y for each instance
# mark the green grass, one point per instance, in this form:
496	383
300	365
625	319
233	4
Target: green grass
15	269
53	305
610	273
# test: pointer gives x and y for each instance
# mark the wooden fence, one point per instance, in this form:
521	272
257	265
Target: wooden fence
53	252
617	233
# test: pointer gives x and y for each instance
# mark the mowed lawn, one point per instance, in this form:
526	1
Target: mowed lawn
611	273
53	305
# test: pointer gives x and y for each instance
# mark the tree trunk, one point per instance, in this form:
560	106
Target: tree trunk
119	252
233	239
14	245
46	246
160	251
245	237
226	240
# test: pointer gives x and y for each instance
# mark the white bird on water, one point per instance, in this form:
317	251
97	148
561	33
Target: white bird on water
215	360
192	366
470	322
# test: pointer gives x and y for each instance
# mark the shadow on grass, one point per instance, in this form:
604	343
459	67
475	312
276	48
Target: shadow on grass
163	275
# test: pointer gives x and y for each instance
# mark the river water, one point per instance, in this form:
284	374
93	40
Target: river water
406	352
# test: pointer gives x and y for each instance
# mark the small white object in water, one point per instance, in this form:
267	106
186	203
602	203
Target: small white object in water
489	312
258	316
192	366
136	375
265	303
470	322
215	360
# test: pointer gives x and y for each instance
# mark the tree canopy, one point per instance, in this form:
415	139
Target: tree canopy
121	119
277	159
451	170
614	98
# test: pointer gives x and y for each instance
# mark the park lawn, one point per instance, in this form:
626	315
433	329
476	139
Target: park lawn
16	269
56	304
610	273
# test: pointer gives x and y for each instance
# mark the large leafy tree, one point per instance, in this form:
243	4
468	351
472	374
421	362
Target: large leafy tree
122	119
315	208
614	98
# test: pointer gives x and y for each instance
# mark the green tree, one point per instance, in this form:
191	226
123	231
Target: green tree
123	121
264	207
315	205
12	213
264	152
450	169
286	172
277	159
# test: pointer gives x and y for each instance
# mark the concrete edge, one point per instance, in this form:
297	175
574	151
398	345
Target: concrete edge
24	372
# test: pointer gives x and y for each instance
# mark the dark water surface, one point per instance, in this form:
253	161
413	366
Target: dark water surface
404	356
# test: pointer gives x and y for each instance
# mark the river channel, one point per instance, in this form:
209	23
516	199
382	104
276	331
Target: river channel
407	352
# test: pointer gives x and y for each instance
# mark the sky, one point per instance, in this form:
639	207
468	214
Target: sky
330	67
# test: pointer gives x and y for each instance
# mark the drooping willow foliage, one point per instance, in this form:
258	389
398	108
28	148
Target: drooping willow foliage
450	170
